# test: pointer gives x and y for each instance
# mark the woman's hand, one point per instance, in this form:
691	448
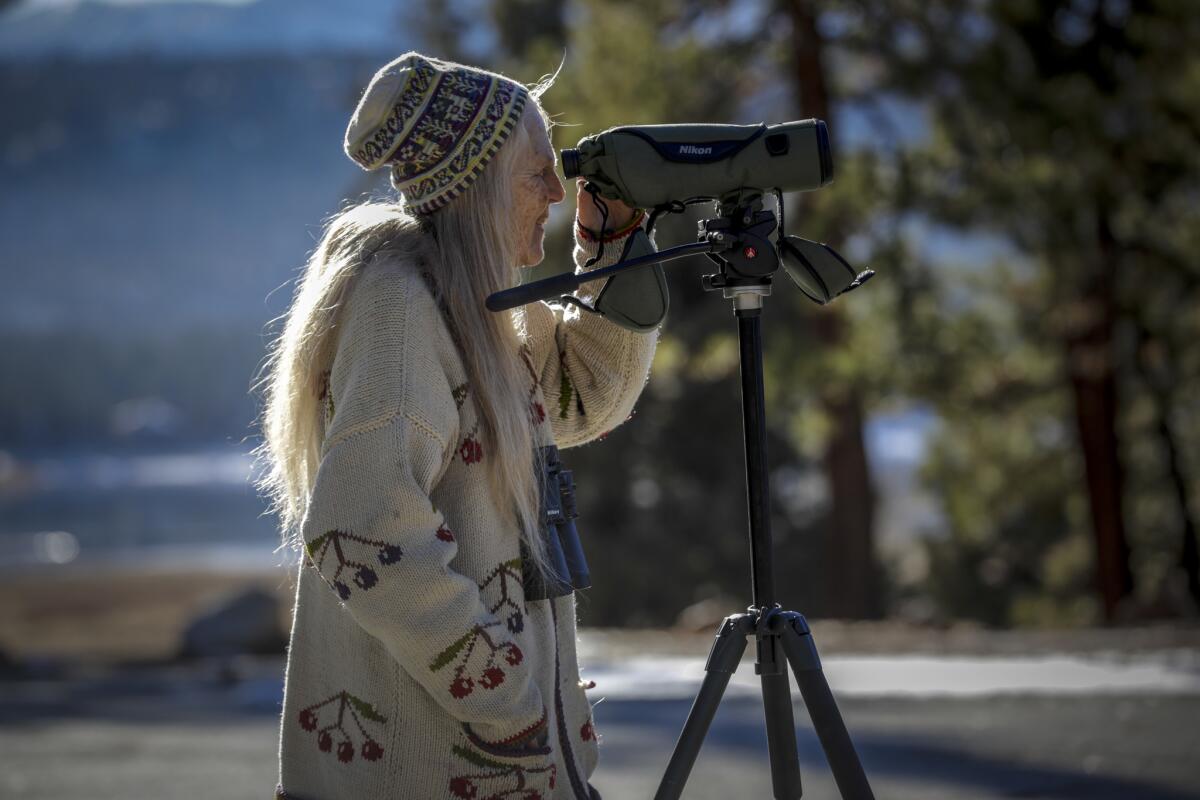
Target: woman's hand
588	211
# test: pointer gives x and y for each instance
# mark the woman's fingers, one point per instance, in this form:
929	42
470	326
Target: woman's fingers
589	213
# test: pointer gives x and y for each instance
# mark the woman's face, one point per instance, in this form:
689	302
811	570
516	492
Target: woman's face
536	188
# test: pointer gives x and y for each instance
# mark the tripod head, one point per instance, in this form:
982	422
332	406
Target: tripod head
737	240
749	259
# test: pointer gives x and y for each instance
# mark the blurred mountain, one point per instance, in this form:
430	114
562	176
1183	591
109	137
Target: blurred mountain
166	169
143	193
34	29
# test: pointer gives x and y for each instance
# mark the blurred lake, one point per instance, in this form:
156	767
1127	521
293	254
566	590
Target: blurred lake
197	507
191	508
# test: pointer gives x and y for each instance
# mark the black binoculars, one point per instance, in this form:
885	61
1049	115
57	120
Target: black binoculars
568	567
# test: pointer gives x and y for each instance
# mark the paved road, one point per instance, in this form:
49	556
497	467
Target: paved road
1082	748
166	733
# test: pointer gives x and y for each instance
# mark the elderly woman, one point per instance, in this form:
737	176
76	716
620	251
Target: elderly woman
401	424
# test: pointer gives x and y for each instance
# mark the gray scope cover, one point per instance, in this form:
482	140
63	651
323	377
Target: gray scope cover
650	165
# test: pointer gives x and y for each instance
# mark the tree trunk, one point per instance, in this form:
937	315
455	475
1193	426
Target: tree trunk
1151	355
853	577
1092	373
851	565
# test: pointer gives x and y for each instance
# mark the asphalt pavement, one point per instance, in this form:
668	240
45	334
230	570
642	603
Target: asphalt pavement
1131	730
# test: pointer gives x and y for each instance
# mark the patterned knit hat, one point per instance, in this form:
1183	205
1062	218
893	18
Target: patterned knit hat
436	123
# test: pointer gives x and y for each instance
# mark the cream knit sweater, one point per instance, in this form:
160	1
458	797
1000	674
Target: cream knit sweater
416	667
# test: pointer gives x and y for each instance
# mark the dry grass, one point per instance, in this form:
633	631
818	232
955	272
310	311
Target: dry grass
120	615
109	615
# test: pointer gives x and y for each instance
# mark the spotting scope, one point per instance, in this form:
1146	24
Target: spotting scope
646	166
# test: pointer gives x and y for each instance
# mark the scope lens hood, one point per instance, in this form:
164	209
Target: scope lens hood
570	162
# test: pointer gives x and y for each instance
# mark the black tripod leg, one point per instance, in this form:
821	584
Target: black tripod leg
827	720
781	727
723	660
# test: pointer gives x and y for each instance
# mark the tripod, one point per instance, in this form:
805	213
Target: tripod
737	242
779	634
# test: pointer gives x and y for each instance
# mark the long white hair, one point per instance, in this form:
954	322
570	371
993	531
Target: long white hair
472	250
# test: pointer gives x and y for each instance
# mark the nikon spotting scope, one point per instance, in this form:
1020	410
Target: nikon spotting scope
646	166
668	167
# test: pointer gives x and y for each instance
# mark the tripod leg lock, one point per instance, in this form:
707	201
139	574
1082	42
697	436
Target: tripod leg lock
727	648
798	643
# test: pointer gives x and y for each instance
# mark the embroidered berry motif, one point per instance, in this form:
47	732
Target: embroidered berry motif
343	542
462	786
489	674
537	411
471	450
444	534
507	575
492	677
359	710
365	577
487	779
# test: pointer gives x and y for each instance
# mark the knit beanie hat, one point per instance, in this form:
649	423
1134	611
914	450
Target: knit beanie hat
436	123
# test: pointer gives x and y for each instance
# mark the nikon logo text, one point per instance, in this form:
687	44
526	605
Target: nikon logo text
692	150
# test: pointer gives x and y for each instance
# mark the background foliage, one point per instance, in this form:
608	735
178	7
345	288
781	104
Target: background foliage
1022	176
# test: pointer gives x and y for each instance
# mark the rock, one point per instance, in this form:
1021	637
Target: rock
706	616
246	622
9	667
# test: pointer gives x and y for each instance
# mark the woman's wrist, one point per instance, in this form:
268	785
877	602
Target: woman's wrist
612	231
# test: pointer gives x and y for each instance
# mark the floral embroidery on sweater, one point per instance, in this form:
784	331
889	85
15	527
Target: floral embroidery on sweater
325	395
360	710
507	574
537	411
471	449
340	541
566	390
530	741
459	393
497	779
490	675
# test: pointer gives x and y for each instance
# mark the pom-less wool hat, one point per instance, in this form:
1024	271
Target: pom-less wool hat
436	123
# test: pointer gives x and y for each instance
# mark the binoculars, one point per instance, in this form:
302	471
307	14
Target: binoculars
568	567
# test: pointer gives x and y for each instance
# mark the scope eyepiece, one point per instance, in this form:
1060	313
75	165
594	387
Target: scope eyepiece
570	162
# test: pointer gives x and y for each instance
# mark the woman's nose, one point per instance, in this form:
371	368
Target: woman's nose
557	192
